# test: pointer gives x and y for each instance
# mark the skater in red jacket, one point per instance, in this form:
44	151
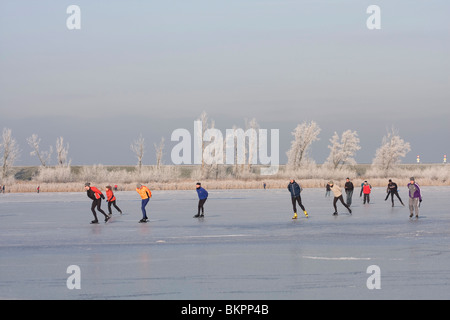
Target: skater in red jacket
111	199
367	188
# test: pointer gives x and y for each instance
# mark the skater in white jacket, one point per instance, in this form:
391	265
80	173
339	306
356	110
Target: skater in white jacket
338	196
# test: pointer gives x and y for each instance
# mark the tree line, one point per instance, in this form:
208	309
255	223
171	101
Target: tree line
343	148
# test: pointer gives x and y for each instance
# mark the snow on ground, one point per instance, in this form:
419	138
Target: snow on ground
247	247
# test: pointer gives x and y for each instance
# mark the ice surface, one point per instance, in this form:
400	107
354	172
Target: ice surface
247	247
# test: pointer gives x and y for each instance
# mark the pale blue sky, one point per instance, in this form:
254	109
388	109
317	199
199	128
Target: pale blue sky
151	67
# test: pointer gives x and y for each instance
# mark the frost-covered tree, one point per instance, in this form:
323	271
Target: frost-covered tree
252	145
61	152
304	135
342	150
9	151
138	147
392	149
204	120
44	156
159	152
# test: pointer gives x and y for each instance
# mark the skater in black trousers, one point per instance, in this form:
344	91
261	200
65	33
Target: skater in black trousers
392	189
338	196
202	197
295	190
111	199
96	196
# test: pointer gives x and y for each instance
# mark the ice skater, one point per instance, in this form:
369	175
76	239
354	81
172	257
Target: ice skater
415	197
202	197
295	190
327	190
392	189
96	196
111	199
367	188
145	194
337	196
349	191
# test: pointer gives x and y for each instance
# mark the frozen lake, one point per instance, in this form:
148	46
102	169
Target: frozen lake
246	247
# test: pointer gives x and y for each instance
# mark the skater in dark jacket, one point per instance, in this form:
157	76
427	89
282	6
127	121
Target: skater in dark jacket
349	191
392	189
295	191
96	196
202	197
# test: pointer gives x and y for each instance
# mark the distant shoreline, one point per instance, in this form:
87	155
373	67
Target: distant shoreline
184	177
31	186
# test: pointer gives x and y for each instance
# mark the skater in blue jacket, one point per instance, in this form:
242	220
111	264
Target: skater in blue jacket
202	196
295	189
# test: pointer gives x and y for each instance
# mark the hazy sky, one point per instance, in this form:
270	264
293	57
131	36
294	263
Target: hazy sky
151	67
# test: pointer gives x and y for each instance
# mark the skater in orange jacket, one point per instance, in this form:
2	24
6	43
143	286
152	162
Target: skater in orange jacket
145	194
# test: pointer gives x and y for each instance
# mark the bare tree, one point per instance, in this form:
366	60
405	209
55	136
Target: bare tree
44	156
138	147
61	152
159	153
342	150
304	135
9	151
392	149
204	120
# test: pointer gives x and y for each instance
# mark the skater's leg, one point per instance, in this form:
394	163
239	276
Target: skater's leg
115	206
416	206
99	203
143	204
299	200
344	204
294	206
109	207
94	204
349	197
366	198
398	196
411	207
200	206
334	204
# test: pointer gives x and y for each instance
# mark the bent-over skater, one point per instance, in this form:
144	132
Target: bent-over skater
111	199
96	196
338	196
202	197
392	189
145	194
